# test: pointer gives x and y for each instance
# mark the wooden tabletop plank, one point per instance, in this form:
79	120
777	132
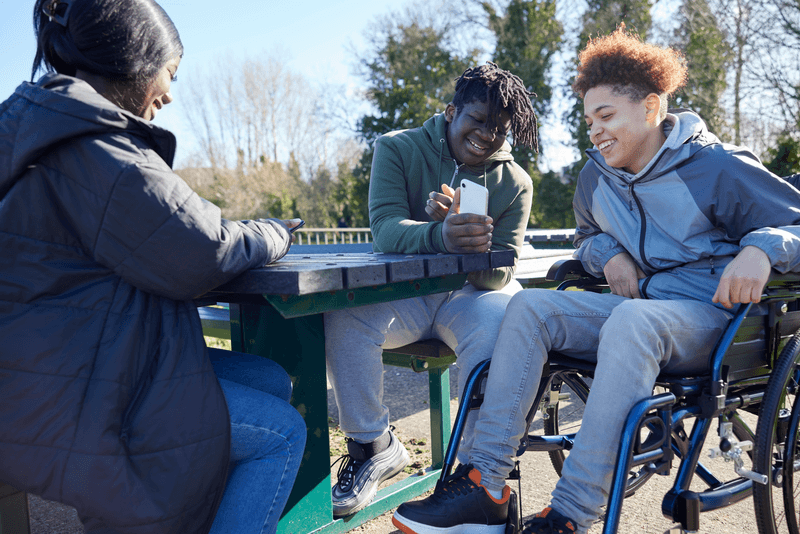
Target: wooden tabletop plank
301	274
280	279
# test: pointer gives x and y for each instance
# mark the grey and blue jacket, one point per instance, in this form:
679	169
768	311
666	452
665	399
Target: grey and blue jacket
686	214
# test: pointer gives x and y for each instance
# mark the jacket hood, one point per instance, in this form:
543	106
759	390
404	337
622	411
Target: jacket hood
71	108
436	130
686	134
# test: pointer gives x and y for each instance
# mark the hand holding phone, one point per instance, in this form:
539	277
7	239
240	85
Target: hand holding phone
474	198
299	225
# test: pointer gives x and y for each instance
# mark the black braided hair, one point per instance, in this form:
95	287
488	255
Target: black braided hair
504	91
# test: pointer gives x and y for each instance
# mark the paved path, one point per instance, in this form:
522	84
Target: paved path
406	396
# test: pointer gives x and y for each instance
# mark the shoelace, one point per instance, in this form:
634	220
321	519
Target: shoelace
347	470
456	484
550	522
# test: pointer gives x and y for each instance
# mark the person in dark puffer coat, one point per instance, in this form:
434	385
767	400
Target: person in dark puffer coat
110	402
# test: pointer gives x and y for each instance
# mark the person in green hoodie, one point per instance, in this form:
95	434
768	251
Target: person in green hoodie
414	207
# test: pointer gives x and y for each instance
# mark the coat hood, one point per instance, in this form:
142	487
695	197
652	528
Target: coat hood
71	108
681	127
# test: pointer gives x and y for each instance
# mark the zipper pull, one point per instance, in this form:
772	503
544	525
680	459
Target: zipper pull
455	173
630	196
713	271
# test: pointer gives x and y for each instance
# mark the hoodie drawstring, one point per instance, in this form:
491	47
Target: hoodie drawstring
455	173
441	151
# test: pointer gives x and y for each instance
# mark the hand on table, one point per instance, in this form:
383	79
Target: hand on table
622	275
438	205
466	233
744	278
291	223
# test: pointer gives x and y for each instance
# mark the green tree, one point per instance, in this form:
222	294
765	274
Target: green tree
528	35
553	206
352	193
708	55
410	73
409	68
601	18
784	159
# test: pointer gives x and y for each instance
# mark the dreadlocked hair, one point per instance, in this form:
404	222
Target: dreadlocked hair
630	66
503	91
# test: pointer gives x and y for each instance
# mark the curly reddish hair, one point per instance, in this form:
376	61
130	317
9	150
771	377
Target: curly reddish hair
629	65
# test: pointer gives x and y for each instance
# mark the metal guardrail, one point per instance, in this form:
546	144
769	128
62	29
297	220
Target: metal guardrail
332	236
538	238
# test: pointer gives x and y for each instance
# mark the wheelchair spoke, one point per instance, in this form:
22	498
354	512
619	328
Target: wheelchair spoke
776	453
564	417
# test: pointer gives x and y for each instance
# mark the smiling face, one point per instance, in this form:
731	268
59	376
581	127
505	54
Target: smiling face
627	133
468	137
157	93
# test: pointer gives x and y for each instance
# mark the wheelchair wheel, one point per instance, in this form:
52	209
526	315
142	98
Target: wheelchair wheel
777	503
565	418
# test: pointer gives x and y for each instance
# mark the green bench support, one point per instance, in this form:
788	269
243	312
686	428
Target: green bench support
434	357
431	356
13	511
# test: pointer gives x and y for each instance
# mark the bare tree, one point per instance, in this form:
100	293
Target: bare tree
744	22
249	112
264	135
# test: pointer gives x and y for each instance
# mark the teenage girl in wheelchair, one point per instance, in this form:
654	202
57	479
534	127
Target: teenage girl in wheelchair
686	231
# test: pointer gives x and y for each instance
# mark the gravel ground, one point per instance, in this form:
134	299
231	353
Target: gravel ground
406	396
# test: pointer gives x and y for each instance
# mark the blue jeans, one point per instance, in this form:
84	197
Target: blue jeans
631	341
267	441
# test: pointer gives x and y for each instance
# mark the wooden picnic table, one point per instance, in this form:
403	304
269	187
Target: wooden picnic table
276	312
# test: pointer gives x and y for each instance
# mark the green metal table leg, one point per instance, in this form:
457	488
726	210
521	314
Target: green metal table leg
298	345
439	395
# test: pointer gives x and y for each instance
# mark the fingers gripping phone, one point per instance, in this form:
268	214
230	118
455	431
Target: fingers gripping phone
474	198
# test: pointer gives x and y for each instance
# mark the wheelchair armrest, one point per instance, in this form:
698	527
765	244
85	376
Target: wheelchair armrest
786	285
776	278
564	269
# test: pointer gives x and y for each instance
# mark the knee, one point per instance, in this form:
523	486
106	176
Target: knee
633	336
297	434
534	302
633	319
289	424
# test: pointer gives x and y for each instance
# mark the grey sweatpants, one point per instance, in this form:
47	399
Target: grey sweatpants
467	320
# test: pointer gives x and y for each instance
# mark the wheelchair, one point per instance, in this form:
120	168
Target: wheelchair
755	369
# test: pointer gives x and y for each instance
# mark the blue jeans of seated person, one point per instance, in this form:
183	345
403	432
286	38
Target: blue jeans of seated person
267	441
467	320
631	341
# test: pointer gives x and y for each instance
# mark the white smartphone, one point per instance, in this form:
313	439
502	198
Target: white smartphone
474	198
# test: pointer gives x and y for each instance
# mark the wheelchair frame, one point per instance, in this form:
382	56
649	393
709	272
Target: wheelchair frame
754	366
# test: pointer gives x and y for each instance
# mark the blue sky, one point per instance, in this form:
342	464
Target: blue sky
313	35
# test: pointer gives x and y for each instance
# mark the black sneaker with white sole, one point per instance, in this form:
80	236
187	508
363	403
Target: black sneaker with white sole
362	471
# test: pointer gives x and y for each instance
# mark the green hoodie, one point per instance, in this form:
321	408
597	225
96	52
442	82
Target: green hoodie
409	164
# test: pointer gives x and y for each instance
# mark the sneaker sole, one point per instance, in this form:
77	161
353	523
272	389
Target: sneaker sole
412	527
344	510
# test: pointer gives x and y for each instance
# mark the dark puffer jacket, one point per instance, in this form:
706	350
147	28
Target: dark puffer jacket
108	401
